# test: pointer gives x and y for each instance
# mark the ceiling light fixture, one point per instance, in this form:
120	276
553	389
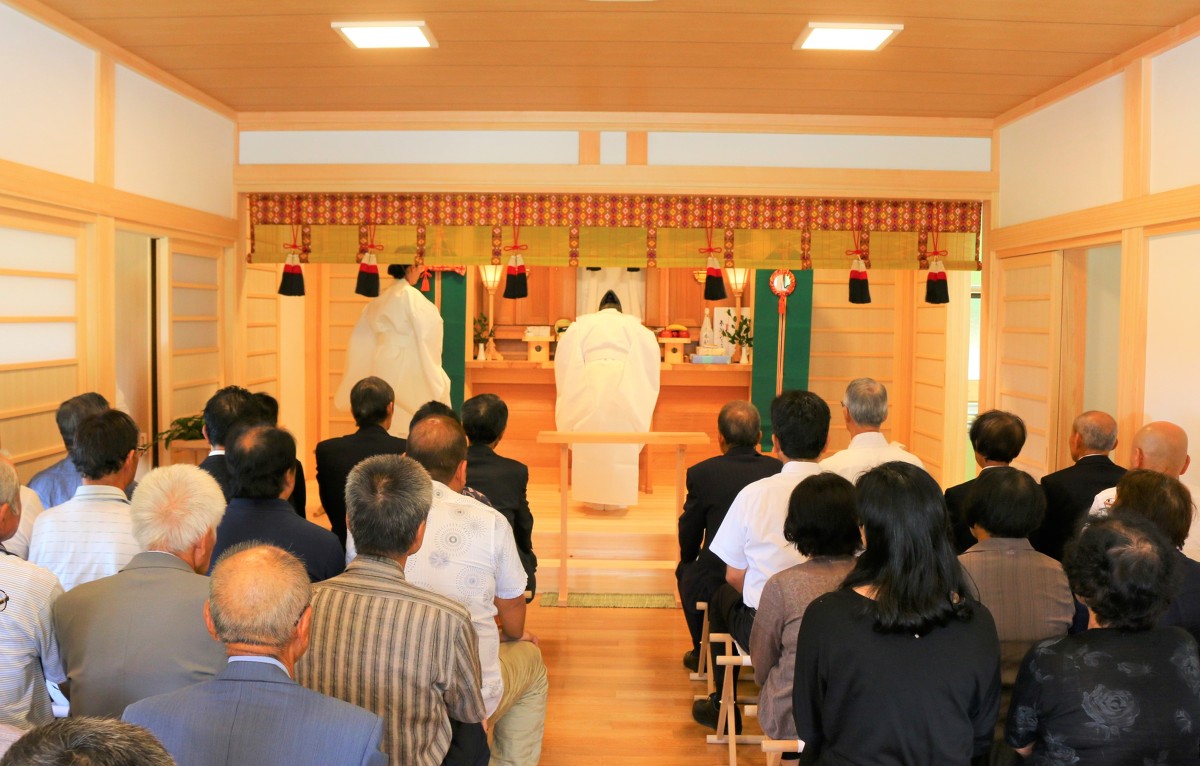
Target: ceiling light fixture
385	34
846	37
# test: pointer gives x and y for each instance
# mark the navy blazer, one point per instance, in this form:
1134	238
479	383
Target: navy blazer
218	467
712	485
337	457
1069	495
275	523
506	483
252	713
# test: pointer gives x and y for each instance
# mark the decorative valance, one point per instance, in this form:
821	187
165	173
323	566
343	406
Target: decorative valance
616	229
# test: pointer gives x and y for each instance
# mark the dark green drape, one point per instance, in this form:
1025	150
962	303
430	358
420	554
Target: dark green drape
454	329
798	342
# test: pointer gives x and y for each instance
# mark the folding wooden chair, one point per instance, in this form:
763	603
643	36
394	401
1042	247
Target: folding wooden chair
726	719
775	748
702	670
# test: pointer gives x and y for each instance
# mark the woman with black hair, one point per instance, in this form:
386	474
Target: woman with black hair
900	665
823	525
1124	692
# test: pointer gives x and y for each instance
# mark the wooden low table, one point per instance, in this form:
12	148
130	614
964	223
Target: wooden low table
679	439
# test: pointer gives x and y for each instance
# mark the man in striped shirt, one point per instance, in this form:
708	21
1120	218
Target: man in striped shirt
379	642
91	535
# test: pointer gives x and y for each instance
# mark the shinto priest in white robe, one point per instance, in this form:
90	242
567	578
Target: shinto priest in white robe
606	371
398	338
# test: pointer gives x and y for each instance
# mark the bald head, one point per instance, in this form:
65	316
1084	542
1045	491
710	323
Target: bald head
739	424
1163	447
1093	433
257	595
439	444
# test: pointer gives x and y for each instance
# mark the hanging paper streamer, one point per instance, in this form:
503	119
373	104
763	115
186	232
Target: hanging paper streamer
860	289
936	289
714	284
292	281
517	284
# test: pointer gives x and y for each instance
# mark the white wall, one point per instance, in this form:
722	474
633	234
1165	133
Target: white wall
1173	348
1103	328
768	150
47	89
1068	156
1175	118
171	148
409	147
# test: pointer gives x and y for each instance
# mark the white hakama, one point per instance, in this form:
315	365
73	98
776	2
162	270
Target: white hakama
606	372
398	338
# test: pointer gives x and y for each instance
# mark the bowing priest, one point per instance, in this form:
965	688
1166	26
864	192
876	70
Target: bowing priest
398	338
606	371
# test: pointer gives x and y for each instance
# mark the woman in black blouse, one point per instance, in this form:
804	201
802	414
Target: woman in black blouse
1124	691
900	665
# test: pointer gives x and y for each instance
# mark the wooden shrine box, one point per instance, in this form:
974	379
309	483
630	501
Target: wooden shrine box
673	349
539	348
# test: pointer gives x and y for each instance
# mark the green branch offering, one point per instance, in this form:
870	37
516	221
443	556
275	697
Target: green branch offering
739	333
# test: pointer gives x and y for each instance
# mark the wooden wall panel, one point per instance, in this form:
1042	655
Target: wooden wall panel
1024	329
191	346
30	391
339	309
261	314
853	341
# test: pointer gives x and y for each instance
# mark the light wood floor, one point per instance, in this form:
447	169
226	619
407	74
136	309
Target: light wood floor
619	693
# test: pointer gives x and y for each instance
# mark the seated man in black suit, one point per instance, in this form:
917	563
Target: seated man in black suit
997	438
372	403
262	462
505	481
1070	492
711	486
227	408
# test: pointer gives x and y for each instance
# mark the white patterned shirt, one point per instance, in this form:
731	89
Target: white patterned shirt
88	537
469	555
28	649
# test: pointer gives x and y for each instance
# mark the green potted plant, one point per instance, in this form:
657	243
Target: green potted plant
186	428
482	334
740	336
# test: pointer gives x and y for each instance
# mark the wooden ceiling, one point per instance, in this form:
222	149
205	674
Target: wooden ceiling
954	59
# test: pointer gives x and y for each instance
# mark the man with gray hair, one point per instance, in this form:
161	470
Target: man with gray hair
141	632
864	408
253	712
28	652
408	654
92	741
1070	492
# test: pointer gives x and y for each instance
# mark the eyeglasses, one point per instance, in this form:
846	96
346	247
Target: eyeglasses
142	449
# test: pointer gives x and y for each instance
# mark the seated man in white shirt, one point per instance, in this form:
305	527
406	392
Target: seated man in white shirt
750	540
91	535
865	407
470	555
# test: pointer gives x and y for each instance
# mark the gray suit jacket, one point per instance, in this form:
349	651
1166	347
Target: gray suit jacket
135	634
252	713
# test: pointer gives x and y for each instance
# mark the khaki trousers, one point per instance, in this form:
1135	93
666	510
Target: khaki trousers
520	718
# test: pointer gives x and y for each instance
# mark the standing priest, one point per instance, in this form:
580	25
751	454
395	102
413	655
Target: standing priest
398	338
606	370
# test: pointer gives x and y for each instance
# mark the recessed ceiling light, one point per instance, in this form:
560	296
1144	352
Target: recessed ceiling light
846	37
386	34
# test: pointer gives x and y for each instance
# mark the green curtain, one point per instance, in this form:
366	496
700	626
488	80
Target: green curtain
454	330
798	342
